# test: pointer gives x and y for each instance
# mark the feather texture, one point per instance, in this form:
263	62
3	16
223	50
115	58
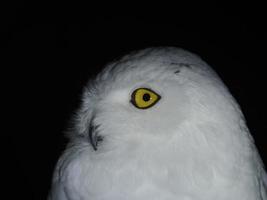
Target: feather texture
193	144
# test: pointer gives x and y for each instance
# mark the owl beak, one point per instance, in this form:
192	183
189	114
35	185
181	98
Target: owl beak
94	138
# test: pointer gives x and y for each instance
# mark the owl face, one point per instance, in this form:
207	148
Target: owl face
145	109
147	99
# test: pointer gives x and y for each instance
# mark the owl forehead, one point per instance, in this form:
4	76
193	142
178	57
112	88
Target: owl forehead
151	63
137	74
148	68
152	66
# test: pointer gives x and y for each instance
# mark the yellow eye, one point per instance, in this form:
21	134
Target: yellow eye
143	98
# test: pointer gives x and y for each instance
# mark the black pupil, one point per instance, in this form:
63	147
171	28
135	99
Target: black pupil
146	97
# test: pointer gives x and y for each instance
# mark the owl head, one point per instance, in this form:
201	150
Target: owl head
158	124
152	95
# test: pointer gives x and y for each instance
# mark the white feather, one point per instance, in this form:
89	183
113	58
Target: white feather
192	145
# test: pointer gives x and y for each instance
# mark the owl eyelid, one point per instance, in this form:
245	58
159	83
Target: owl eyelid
133	102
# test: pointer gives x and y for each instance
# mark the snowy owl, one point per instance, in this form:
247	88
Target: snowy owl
159	124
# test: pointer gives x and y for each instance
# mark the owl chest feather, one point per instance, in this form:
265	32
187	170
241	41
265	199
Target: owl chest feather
158	172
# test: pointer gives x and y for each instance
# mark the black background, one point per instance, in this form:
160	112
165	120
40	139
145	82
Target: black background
52	49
